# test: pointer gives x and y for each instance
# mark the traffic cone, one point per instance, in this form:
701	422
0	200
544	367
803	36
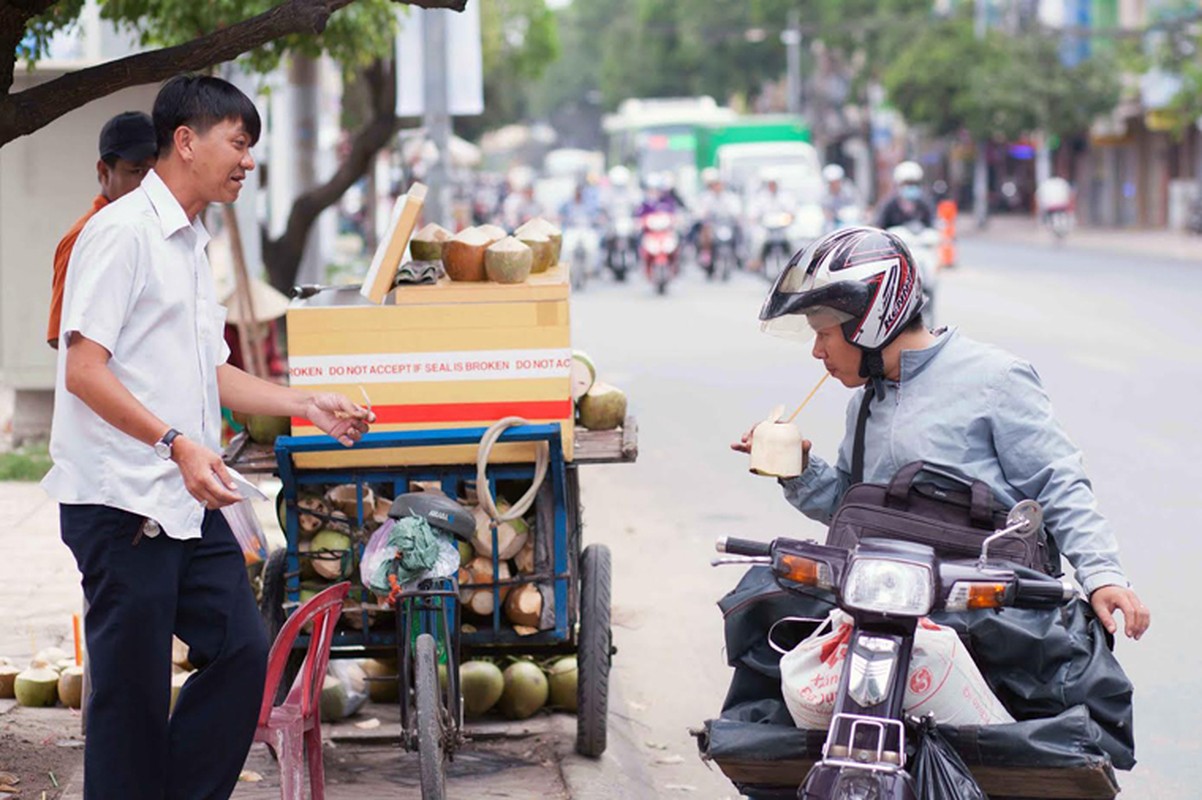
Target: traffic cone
946	212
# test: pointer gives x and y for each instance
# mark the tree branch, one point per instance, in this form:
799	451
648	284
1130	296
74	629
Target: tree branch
282	256
27	111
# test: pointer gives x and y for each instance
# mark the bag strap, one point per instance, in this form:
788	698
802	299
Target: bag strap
857	446
980	495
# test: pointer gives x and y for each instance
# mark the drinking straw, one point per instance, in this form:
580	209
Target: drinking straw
813	392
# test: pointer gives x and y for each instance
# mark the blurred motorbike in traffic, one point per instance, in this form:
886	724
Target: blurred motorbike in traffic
717	247
621	244
659	249
581	245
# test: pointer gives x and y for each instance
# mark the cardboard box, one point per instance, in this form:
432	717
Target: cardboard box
450	355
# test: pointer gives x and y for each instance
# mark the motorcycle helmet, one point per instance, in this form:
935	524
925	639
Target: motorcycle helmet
832	173
709	176
619	176
863	279
907	172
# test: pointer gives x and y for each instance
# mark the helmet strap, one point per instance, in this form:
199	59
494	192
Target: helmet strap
872	366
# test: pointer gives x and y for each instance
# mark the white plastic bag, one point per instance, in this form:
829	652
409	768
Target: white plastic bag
943	678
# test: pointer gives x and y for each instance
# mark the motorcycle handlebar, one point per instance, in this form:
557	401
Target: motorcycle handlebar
742	547
1042	593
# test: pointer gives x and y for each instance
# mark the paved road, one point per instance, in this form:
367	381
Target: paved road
1117	342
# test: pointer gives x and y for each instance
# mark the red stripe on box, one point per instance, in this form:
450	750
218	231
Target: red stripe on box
464	412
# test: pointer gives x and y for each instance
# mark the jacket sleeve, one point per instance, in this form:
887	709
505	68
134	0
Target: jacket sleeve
1040	461
819	490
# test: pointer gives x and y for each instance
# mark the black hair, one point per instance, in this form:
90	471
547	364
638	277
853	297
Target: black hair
200	102
110	160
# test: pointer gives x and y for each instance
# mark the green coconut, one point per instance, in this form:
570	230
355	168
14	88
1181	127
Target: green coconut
541	227
526	690
602	408
8	678
583	374
36	687
508	261
382	684
463	255
481	684
264	428
70	687
466	553
543	250
561	677
335	565
426	244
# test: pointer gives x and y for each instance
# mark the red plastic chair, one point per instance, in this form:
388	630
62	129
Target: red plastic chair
293	728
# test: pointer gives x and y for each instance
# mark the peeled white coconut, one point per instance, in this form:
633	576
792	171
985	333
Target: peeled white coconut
602	408
426	244
494	232
524	560
36	687
508	261
8	679
70	687
511	536
583	374
561	676
480	572
776	447
525	691
344	498
481	684
524	605
333	565
463	255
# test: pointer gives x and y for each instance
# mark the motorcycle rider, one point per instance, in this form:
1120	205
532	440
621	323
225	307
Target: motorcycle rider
768	201
578	218
1053	194
840	195
906	204
717	203
969	406
520	206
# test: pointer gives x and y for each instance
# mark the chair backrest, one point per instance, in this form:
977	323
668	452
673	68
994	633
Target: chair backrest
323	610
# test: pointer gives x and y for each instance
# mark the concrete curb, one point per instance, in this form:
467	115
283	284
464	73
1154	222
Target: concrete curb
621	771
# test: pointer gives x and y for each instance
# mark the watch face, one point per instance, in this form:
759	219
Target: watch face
162	450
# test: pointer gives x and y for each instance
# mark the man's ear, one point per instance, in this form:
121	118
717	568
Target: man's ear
184	140
102	172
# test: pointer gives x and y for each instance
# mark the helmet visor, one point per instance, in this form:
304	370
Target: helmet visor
802	326
801	302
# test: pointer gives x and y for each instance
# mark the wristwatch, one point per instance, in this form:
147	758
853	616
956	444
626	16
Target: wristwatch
162	448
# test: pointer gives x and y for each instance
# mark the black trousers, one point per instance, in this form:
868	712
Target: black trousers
140	591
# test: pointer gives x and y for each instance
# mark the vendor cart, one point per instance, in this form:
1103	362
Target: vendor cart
425	629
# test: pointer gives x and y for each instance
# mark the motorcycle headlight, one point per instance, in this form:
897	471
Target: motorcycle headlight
890	587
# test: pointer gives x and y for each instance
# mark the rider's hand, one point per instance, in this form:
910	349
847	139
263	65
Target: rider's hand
744	446
338	416
1108	599
204	473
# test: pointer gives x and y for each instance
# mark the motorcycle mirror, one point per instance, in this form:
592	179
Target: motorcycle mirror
1025	517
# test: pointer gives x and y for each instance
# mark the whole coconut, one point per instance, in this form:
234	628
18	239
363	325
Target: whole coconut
541	227
543	250
426	244
602	408
36	687
525	691
508	261
328	550
562	680
382	686
463	256
8	679
70	687
481	684
264	428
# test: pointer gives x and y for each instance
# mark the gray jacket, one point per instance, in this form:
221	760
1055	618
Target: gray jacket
978	411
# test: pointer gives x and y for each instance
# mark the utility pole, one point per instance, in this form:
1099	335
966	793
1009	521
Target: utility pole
980	172
791	37
437	116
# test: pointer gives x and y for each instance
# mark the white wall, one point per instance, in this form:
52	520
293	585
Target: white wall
47	181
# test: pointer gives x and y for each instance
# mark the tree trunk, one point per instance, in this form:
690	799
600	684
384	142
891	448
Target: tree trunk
282	256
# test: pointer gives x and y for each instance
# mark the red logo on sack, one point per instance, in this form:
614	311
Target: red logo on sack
920	681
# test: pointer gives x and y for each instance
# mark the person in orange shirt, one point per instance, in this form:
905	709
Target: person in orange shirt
128	149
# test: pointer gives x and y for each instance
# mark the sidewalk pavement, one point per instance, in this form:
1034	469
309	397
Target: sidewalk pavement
1158	243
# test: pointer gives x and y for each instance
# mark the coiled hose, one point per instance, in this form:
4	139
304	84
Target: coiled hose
542	459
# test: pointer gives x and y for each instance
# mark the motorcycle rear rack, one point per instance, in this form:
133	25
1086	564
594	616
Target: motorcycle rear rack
863	758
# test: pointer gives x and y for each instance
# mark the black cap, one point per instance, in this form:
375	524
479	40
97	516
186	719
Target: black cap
130	136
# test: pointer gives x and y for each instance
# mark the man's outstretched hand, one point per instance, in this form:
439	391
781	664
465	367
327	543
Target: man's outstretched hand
339	417
1136	616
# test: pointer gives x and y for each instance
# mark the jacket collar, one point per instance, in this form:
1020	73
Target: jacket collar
913	362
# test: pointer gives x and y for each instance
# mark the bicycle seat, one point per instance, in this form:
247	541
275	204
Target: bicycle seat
438	510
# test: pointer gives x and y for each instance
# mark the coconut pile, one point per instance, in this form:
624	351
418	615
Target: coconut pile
50	679
330	542
599	406
515	688
488	252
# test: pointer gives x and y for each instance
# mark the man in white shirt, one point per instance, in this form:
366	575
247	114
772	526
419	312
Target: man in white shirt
137	419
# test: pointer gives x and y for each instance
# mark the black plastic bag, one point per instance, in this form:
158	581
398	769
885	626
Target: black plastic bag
939	772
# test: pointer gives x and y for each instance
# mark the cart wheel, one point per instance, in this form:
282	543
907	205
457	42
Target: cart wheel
429	720
593	651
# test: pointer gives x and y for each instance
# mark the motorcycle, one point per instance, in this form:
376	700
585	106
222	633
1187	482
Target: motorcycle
923	243
886	586
1059	221
659	249
716	248
776	251
621	245
580	245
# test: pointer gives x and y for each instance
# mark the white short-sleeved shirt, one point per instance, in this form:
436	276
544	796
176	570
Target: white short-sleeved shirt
139	284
